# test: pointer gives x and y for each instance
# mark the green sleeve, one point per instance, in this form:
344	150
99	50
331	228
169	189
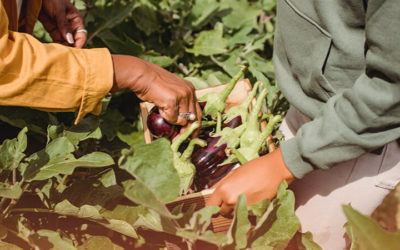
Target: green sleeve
362	118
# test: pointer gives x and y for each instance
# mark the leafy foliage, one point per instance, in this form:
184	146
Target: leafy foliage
95	184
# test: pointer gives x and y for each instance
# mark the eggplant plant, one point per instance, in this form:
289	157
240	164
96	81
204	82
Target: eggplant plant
186	170
240	112
214	103
248	152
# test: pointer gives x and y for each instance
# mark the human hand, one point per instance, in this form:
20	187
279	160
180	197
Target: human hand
257	179
171	94
62	20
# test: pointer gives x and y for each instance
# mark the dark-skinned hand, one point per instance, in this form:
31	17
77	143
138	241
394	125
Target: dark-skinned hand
62	20
151	83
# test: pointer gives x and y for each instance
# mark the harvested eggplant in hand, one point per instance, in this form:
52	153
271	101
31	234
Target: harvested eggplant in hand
159	127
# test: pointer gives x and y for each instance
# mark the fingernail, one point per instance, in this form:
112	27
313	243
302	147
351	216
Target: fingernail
70	39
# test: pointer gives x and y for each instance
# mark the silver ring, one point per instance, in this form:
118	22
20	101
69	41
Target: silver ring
81	30
188	116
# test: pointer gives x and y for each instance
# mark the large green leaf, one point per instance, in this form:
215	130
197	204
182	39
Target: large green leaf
282	224
240	224
47	239
367	234
92	213
242	12
99	243
152	165
210	42
10	191
86	129
110	17
12	151
57	159
203	11
146	19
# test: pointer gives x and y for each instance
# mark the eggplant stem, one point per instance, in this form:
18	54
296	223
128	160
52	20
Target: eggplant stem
232	83
189	150
266	117
268	130
239	156
250	97
206	124
177	143
252	122
219	122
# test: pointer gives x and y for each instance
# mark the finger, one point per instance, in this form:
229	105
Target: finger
226	209
214	200
80	39
76	21
49	25
169	112
62	24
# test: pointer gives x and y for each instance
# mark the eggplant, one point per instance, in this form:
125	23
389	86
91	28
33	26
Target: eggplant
213	176
159	127
233	123
210	154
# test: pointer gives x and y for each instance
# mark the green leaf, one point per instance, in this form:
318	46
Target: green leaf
92	213
307	242
242	12
86	129
240	224
47	239
57	159
130	134
152	164
210	42
99	243
20	117
8	246
12	151
139	193
201	219
111	17
203	11
121	44
10	192
156	58
367	234
146	19
280	224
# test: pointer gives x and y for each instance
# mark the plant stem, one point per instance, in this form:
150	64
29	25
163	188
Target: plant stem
232	83
268	130
175	145
252	123
239	156
11	204
189	150
219	122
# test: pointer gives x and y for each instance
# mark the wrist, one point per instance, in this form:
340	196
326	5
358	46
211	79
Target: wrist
127	71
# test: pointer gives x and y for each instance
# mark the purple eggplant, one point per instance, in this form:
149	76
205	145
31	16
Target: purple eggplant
211	177
233	123
159	127
210	154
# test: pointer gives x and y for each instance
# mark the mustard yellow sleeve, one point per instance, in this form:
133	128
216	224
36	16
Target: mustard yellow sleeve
51	77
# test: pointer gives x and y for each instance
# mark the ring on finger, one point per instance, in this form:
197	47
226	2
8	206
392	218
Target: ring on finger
81	30
188	116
